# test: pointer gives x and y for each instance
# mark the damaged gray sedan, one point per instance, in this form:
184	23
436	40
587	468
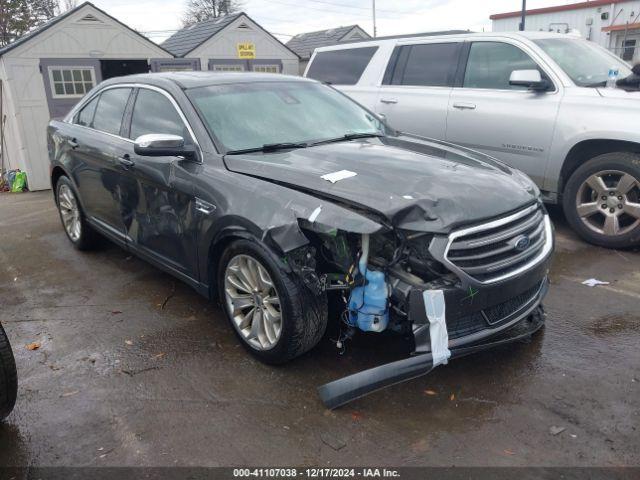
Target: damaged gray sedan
277	194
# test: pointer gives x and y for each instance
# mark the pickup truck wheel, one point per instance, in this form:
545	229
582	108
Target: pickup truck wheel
82	236
275	317
602	200
8	377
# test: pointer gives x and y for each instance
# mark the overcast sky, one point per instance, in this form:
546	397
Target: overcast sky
285	18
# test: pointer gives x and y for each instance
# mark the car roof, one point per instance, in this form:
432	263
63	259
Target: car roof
452	36
187	80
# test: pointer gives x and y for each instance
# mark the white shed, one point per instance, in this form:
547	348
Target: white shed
44	73
229	43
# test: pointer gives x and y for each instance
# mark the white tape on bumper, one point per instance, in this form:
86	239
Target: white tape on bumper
435	307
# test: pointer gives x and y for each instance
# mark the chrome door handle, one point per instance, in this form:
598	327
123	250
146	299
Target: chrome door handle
126	161
72	143
388	100
204	207
464	106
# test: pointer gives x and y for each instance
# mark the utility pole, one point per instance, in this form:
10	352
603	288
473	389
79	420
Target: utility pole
524	14
374	18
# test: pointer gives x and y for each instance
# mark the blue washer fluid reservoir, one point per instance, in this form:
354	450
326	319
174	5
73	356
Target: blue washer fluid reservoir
368	304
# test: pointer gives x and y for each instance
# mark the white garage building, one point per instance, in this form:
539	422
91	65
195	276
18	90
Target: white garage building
44	74
230	43
613	24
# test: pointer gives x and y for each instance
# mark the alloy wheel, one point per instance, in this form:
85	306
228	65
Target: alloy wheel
608	202
253	302
70	212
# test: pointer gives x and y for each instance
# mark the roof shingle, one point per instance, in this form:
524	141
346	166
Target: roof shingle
184	41
305	43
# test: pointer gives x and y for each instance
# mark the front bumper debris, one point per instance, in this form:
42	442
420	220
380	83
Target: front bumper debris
339	392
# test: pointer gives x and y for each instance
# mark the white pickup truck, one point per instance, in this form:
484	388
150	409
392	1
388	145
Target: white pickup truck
536	100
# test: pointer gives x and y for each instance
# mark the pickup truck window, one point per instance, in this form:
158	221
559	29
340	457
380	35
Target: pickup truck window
429	64
154	113
85	116
110	110
490	65
341	67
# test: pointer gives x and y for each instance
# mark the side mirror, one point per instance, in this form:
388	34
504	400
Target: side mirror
162	145
530	79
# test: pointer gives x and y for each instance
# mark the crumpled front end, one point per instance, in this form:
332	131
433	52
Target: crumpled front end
447	291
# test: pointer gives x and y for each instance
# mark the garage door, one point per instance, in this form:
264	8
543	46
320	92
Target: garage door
175	64
236	65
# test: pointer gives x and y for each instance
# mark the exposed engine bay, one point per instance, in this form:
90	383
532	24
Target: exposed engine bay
392	280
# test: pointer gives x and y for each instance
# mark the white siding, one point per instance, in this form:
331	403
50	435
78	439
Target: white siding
26	103
577	19
224	45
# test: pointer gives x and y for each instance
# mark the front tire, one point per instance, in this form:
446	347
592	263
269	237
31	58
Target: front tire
74	221
8	377
273	314
602	200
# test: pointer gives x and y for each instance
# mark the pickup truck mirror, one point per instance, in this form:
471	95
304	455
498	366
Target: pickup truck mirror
162	145
530	79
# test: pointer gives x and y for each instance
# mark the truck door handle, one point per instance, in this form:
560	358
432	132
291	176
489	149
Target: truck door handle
73	143
388	100
464	106
126	161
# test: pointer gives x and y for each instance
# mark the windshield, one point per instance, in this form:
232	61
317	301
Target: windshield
251	115
587	64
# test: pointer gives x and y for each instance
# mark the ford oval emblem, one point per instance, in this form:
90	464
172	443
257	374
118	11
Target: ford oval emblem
521	243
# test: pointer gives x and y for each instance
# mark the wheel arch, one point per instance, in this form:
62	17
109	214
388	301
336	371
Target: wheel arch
56	173
219	244
587	149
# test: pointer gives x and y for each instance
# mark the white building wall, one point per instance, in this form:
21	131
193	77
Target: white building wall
619	14
24	84
224	46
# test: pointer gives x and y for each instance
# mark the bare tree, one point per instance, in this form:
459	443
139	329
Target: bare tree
66	5
201	10
43	10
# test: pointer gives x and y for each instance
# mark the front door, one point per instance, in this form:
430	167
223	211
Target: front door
510	123
414	96
97	151
159	215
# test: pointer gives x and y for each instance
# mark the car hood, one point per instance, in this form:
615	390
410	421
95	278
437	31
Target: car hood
405	182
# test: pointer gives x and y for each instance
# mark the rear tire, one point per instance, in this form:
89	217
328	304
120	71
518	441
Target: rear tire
302	318
8	377
601	200
74	221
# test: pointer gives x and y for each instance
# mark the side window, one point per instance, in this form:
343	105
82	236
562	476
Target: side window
341	67
110	110
490	65
85	116
429	64
154	113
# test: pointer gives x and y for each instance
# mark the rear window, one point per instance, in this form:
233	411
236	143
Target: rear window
429	64
341	67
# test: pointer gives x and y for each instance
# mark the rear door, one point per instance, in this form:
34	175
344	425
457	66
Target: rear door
97	150
508	122
159	215
414	96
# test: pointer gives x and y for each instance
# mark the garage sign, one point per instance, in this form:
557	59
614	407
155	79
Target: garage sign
246	50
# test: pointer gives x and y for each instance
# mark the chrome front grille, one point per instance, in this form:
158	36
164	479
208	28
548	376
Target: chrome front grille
502	248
